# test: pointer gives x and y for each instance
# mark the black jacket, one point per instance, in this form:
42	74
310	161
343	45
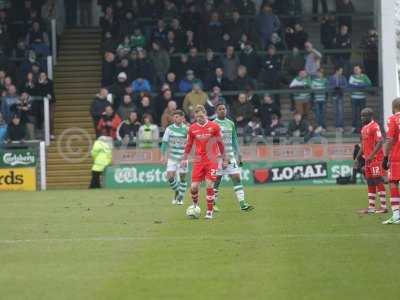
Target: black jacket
16	132
98	106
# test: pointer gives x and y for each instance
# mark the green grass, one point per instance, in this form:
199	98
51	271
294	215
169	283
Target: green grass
299	243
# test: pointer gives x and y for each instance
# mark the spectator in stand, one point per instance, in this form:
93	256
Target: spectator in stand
16	131
293	64
190	41
296	36
345	7
109	122
98	106
9	103
218	79
170	10
313	59
144	67
138	40
243	81
128	129
148	135
266	110
246	7
167	117
171	45
38	40
210	63
299	128
24	110
235	27
319	85
125	46
126	68
272	66
108	22
171	81
194	61
162	103
242	110
180	68
195	97
127	24
338	83
253	130
302	99
315	6
160	61
276	129
127	106
267	23
108	69
175	27
343	42
109	43
370	56
118	89
213	101
230	63
160	32
214	32
186	84
141	85
358	81
29	86
328	32
277	42
146	106
3	129
250	59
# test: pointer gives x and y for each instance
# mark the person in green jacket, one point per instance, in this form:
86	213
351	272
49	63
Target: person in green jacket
102	157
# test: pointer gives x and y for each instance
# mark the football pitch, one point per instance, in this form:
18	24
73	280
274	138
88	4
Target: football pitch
299	243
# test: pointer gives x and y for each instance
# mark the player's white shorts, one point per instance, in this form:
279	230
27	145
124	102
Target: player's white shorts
175	166
231	169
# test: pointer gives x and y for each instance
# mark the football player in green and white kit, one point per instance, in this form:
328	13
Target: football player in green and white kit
173	142
230	139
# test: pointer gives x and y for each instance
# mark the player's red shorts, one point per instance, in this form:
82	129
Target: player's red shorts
204	170
374	169
394	171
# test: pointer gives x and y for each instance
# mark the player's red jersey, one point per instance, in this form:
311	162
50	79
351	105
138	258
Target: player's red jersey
207	141
393	134
370	136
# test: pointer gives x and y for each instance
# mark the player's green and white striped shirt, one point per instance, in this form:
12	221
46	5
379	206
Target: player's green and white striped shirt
174	139
229	137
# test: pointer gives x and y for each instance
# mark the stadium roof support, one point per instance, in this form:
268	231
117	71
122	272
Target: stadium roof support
388	53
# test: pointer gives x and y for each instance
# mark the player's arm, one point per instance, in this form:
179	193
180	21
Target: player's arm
164	144
377	147
357	158
387	146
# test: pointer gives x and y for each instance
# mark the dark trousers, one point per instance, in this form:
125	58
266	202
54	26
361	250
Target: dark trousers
315	6
357	105
95	181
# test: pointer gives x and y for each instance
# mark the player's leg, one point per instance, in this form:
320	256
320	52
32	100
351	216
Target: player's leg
174	184
182	188
216	191
371	184
394	202
211	177
197	177
239	192
381	192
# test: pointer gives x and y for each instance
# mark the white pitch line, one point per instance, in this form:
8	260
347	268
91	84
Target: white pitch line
197	238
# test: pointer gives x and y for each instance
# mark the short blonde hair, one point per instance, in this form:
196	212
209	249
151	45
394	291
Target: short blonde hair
396	104
199	107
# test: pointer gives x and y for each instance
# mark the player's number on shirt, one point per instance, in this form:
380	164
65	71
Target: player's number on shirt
375	171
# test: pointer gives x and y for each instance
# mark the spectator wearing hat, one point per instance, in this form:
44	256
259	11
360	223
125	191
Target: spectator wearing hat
195	97
16	130
141	85
117	89
186	84
109	122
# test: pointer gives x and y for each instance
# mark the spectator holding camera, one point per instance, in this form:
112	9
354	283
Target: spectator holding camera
109	122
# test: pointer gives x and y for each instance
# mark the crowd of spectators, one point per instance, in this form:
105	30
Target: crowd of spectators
164	55
24	47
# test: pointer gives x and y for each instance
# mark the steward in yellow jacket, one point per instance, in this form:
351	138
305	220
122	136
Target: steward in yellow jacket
102	157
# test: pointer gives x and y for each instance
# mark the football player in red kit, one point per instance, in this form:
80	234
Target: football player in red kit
391	161
206	136
371	150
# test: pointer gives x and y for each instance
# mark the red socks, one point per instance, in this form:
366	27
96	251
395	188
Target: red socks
210	199
381	191
371	196
195	196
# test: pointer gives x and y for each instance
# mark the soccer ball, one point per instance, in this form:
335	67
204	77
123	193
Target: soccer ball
193	212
